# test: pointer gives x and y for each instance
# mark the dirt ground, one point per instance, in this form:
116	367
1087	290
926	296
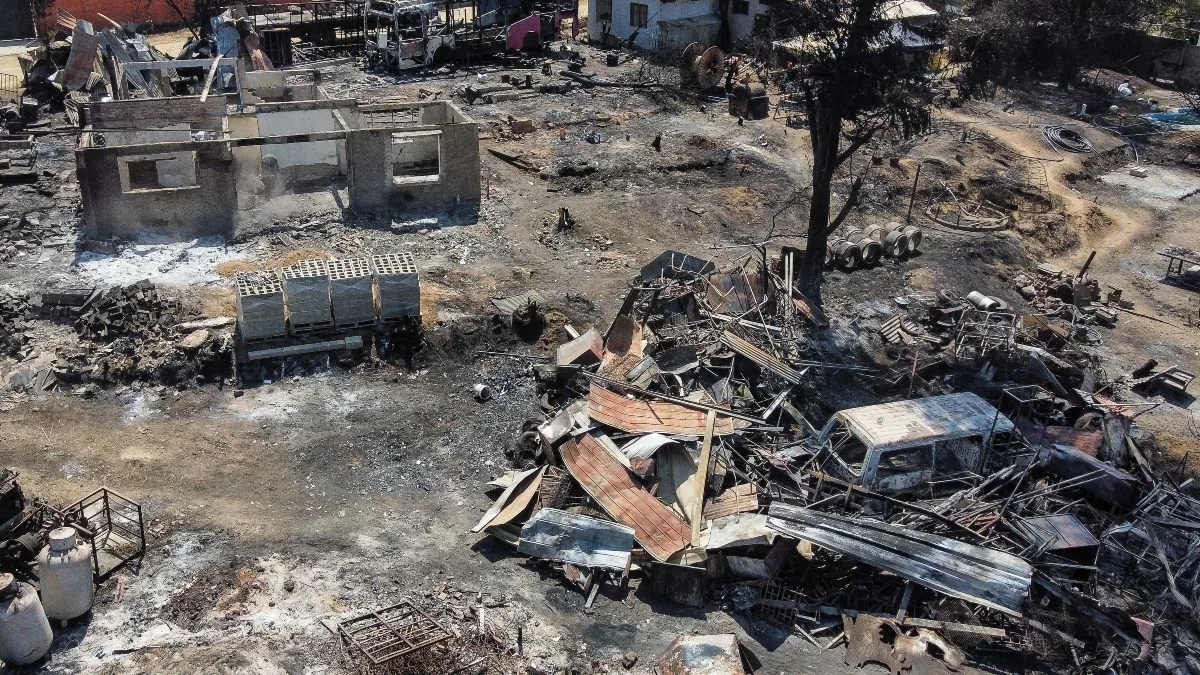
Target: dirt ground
359	485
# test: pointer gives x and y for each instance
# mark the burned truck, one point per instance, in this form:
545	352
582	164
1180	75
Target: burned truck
905	445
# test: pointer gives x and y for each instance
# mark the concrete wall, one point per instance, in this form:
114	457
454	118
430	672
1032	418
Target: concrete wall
373	154
114	208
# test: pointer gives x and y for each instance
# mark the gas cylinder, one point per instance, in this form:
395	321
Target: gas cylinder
25	634
65	573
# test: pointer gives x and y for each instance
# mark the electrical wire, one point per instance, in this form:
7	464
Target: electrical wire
1067	139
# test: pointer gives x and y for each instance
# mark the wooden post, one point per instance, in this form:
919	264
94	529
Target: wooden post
701	476
912	197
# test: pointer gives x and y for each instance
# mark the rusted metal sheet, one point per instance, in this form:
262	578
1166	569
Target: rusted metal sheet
1088	442
981	575
657	528
901	649
737	499
760	357
646	417
706	655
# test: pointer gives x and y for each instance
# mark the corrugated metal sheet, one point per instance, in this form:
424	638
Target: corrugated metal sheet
760	357
552	534
645	417
507	306
981	575
657	528
924	420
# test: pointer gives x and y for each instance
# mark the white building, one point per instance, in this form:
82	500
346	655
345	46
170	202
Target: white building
657	23
677	23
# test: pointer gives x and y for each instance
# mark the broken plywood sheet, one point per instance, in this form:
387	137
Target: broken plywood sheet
583	350
515	499
981	575
645	417
737	499
676	485
657	528
556	535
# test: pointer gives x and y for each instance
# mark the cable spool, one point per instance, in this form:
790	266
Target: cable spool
872	251
704	67
895	244
915	236
846	255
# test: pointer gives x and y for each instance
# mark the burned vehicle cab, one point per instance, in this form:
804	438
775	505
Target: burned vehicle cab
896	447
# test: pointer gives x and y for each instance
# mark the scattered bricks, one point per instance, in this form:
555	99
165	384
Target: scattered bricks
352	292
306	288
260	314
130	311
398	285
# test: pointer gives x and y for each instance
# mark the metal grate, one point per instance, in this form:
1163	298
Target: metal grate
10	87
390	633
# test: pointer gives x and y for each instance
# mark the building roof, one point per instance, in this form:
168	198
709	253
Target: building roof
923	421
907	10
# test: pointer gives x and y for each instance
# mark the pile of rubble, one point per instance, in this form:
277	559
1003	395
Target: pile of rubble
995	507
27	234
14	309
127	334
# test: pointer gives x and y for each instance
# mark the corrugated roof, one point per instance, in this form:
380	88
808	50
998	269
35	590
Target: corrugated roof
924	420
981	575
645	417
655	525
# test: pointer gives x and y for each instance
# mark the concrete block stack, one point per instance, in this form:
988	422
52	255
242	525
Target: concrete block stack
352	292
306	288
260	307
399	288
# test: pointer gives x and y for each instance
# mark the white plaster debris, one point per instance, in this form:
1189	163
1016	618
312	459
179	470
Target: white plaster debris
189	262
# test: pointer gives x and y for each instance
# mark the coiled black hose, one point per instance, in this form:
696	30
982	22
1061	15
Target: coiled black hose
1066	139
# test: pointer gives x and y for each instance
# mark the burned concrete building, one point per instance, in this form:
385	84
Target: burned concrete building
179	167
